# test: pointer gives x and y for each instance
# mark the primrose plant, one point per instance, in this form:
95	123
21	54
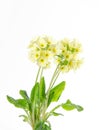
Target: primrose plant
44	51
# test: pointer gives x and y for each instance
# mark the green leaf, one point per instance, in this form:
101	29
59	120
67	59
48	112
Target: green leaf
22	103
34	96
11	100
42	126
23	93
39	126
56	92
25	118
78	107
68	105
50	98
42	89
46	127
19	103
56	114
65	62
60	56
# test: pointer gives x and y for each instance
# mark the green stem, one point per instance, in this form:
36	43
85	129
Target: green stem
34	104
29	118
37	75
56	77
39	104
41	73
53	110
53	80
33	111
54	74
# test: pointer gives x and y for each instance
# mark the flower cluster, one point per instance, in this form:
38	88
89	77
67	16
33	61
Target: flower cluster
67	57
42	50
65	52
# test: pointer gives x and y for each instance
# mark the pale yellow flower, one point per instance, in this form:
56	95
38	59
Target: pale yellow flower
63	50
42	62
53	49
47	65
47	54
49	40
42	43
57	60
76	45
64	43
64	68
36	55
71	64
67	55
31	55
31	45
78	63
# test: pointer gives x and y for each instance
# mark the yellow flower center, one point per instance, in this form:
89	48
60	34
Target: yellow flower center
42	60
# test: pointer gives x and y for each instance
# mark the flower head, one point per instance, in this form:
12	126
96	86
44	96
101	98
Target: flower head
40	51
67	57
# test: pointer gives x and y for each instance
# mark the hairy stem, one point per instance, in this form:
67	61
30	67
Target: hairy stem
41	73
55	78
52	82
54	74
37	75
53	110
34	104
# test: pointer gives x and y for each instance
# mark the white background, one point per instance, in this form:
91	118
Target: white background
20	21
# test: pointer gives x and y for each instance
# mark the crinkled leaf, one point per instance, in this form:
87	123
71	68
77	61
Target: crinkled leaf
56	92
42	89
19	103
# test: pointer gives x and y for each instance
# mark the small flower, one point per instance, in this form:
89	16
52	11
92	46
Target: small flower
43	62
67	55
49	40
76	46
78	63
42	43
64	69
48	54
47	65
53	49
37	55
31	55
